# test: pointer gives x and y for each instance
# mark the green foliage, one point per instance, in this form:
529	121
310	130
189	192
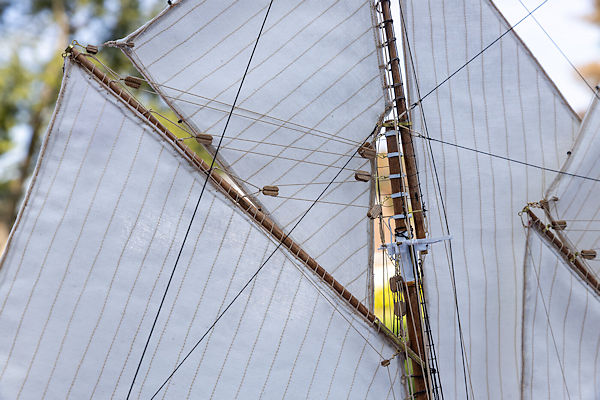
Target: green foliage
14	82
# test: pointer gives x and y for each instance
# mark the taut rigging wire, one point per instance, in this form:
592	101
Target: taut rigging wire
421	98
208	175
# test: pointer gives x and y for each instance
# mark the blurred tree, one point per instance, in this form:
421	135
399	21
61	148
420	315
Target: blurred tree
34	34
592	71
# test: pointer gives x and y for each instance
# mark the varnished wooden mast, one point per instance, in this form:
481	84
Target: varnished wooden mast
401	206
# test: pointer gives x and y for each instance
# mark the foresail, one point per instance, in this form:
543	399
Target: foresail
311	97
500	103
574	199
561	345
90	255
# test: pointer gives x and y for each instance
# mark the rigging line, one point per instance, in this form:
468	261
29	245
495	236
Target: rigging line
323	201
280	122
332	165
561	51
452	268
430	139
315	183
318	150
208	175
279	244
472	58
560	364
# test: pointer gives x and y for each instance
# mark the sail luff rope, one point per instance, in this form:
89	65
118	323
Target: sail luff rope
209	173
465	363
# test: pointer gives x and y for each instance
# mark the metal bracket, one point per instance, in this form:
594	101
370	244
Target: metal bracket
394	154
399	194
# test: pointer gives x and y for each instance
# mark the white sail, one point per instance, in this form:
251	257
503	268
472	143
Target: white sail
561	345
500	103
313	94
89	257
577	201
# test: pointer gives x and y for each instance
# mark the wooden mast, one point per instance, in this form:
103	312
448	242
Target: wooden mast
401	205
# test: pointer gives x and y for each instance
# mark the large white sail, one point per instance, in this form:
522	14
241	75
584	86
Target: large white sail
313	94
500	103
89	257
561	345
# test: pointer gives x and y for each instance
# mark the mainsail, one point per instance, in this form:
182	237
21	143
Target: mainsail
500	102
90	253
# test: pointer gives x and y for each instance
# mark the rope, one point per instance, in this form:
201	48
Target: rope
208	174
430	139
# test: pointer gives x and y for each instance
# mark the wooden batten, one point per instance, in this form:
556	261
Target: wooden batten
569	255
260	218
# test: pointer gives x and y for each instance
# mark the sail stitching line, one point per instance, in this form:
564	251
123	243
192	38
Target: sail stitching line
292	62
198	203
214	46
475	56
199	302
115	273
142	263
48	250
60	161
451	264
560	363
